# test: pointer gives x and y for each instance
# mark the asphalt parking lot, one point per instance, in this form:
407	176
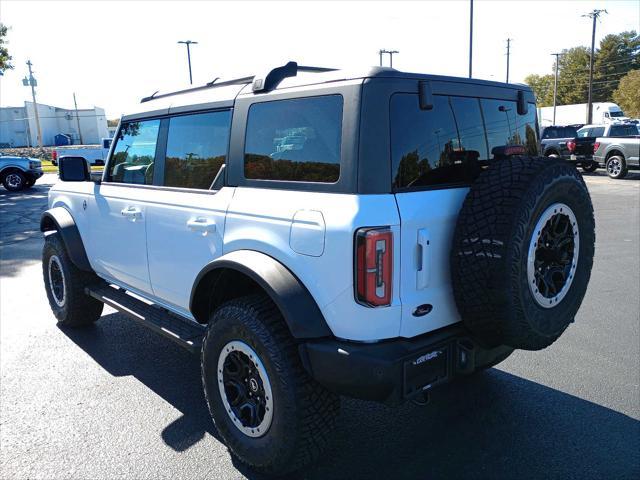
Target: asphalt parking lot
116	400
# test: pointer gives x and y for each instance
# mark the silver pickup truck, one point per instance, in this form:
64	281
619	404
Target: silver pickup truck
618	155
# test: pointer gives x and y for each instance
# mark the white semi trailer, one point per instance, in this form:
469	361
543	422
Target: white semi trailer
603	112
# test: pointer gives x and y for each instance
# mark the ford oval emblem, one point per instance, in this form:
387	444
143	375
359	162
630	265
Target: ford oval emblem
422	310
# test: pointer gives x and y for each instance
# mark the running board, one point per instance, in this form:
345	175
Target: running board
184	332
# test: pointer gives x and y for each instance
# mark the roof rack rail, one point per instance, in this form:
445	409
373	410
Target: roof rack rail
263	83
212	84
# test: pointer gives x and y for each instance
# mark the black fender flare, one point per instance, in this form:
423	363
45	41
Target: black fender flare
59	219
299	309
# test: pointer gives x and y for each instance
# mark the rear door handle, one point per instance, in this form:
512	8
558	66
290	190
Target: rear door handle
424	259
203	225
132	213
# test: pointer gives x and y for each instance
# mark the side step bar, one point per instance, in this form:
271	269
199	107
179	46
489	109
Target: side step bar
185	333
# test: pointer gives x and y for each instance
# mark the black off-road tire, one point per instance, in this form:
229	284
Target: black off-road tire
304	413
14	181
617	167
589	167
489	259
77	309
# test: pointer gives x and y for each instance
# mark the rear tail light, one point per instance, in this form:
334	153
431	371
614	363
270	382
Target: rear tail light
596	146
374	266
571	145
54	155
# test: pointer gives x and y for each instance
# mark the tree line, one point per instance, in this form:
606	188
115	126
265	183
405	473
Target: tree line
616	74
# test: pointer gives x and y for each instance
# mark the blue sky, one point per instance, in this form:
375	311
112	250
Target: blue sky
113	53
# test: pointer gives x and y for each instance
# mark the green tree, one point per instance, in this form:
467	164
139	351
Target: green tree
627	95
5	58
542	86
573	76
617	55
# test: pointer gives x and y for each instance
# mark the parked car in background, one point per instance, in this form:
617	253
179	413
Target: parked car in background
618	155
94	154
554	138
18	173
581	147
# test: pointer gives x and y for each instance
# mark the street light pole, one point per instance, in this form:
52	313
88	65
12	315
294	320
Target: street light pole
555	87
31	81
188	43
390	52
75	104
595	14
508	52
471	38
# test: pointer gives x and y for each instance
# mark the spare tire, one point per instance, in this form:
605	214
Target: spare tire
523	251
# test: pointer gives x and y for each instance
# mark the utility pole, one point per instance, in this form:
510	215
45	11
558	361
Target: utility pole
508	47
555	86
188	43
31	81
471	38
77	118
595	14
390	52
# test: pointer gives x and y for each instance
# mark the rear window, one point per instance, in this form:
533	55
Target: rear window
623	130
559	132
451	143
294	140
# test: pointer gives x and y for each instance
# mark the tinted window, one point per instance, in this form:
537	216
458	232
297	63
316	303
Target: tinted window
559	132
452	142
622	130
505	127
196	149
596	132
295	140
134	154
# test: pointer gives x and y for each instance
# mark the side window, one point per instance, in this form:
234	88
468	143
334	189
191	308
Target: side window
596	132
134	154
294	140
622	130
196	149
506	128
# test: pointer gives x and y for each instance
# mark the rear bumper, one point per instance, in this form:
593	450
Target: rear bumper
396	370
580	158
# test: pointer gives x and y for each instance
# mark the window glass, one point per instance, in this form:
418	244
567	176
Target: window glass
505	127
426	146
596	131
196	149
622	130
294	140
452	142
559	132
134	154
583	132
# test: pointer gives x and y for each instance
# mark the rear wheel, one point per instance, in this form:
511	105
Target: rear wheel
271	414
617	167
65	284
523	251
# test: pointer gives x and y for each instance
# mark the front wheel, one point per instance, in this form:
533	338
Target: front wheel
65	284
589	167
270	413
617	167
15	181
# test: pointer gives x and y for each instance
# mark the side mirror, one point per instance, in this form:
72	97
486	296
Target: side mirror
74	169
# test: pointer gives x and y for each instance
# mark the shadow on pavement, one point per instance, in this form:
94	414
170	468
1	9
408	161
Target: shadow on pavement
491	425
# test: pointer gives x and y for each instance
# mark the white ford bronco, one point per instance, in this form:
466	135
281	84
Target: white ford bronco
313	233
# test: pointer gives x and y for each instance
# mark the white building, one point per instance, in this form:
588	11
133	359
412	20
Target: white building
18	125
